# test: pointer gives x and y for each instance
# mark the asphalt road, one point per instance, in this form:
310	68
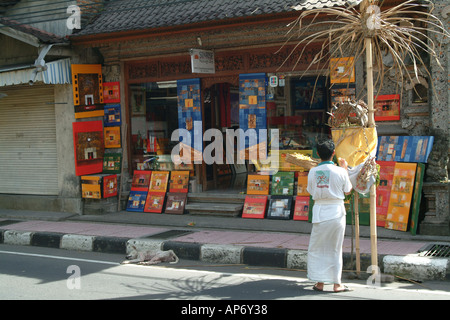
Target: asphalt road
45	273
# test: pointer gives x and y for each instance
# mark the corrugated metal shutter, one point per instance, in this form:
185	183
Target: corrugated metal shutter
28	157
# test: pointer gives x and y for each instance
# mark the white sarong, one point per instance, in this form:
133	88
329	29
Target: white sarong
325	251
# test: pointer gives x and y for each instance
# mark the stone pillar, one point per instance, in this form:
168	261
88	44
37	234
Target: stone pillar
436	189
437	201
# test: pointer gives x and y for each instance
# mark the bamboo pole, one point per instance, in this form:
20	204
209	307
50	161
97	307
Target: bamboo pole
357	249
371	124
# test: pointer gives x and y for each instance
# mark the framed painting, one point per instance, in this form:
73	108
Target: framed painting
88	147
279	207
112	162
112	115
111	92
154	202
302	184
397	217
179	181
109	186
283	183
112	137
387	107
342	70
87	84
301	208
138	103
175	203
91	187
308	93
417	198
136	201
258	184
141	180
159	181
384	190
404	148
254	207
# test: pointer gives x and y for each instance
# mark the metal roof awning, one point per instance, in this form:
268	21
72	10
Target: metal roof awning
58	72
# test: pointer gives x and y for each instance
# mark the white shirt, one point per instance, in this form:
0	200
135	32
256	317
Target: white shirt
328	183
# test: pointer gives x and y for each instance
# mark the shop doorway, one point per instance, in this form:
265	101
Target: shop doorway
221	112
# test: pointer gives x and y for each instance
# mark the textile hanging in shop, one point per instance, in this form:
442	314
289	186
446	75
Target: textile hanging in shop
252	116
190	118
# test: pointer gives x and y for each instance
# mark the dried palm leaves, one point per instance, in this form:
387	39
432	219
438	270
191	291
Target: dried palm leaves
403	34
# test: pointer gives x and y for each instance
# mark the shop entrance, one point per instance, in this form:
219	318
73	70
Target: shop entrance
221	112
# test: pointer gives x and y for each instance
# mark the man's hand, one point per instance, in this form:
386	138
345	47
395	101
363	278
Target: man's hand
343	163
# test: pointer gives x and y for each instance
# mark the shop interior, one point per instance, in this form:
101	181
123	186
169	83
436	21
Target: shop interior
296	106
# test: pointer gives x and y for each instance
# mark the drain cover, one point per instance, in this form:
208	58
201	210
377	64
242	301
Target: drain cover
441	250
169	234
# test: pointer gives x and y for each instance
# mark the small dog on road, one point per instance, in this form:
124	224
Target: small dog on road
150	257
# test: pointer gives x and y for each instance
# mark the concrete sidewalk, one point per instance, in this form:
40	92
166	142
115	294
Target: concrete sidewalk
225	240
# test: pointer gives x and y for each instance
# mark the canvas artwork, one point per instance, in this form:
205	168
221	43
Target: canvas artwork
91	187
342	70
417	195
302	184
109	186
283	183
159	181
136	201
401	196
258	184
112	162
175	203
342	93
154	202
384	190
111	92
112	137
254	207
141	180
112	115
387	107
404	148
301	209
280	207
179	181
88	147
87	83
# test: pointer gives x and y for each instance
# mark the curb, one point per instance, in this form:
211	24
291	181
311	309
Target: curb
411	267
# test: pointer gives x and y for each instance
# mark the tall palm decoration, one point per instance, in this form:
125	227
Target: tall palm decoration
403	34
399	38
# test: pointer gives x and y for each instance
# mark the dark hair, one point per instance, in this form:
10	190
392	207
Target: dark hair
325	149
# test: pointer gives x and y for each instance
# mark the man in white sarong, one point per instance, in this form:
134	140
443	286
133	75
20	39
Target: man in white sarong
328	184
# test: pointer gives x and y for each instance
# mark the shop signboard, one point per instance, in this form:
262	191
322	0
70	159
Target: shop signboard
202	61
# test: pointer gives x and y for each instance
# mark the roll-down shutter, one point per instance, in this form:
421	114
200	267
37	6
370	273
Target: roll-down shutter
28	157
